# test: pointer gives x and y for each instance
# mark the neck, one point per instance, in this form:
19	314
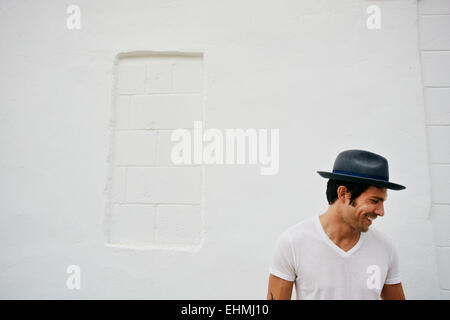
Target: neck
338	230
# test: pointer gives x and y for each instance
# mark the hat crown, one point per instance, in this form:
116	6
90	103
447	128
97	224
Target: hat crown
362	163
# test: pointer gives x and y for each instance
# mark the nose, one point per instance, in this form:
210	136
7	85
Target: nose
380	210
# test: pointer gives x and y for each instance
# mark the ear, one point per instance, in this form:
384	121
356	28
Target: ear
343	194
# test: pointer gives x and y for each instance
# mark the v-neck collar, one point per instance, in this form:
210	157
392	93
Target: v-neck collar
333	245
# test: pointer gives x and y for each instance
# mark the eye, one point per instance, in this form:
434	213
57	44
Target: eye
375	201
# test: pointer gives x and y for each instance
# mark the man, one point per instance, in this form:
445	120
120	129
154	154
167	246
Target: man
337	255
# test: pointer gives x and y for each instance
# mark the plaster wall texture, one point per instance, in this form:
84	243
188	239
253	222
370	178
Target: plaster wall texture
434	36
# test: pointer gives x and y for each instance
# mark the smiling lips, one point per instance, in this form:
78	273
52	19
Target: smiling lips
370	217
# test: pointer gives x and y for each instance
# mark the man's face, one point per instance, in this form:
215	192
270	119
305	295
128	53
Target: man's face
367	207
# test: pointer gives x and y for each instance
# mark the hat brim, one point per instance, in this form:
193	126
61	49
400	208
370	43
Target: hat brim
373	182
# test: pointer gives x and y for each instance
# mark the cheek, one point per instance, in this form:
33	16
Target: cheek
365	208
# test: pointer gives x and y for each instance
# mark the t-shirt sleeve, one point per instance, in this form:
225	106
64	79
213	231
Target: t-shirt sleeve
393	274
283	265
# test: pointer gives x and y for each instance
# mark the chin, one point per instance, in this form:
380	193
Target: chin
363	229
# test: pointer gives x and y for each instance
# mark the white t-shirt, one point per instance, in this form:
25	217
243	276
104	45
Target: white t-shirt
321	270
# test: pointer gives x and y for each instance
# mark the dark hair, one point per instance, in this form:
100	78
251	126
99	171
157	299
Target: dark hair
355	189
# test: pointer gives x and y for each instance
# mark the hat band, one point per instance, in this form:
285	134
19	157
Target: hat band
361	175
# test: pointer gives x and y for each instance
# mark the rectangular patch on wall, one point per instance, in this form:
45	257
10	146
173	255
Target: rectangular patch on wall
151	202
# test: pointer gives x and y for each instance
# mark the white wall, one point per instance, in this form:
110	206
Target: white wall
310	68
434	26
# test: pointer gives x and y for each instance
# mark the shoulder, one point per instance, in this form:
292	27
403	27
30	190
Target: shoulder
380	237
300	229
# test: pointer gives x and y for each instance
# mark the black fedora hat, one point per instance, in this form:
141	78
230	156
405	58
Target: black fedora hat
363	167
